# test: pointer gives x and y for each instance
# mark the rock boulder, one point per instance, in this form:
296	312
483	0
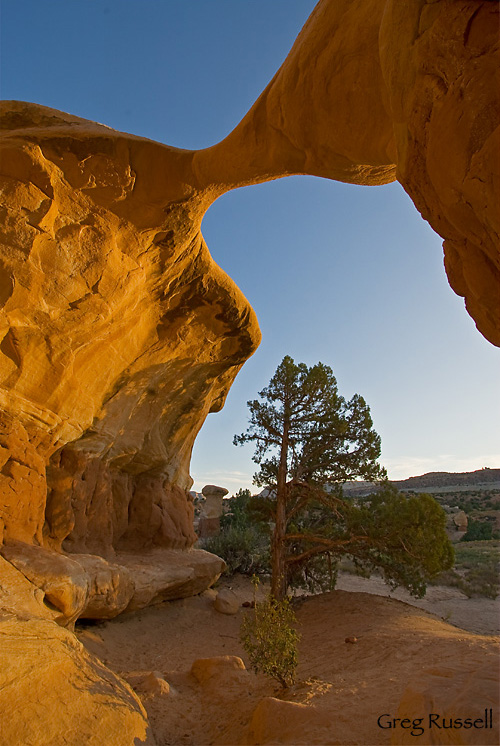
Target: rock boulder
227	602
57	693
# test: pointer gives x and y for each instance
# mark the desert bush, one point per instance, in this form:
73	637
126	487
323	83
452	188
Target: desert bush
476	569
238	514
244	549
481	582
270	639
478	531
474	554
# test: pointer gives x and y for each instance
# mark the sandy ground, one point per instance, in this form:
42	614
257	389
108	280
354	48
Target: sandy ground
404	657
480	615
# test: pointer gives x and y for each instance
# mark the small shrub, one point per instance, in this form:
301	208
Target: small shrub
270	640
481	582
476	569
244	549
478	531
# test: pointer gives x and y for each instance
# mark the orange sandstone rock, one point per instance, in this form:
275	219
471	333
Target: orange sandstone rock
52	691
220	667
441	66
278	721
445	698
87	586
118	332
22	483
62	579
375	90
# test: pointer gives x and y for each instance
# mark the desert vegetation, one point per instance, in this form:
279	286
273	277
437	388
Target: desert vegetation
244	543
476	569
270	638
309	441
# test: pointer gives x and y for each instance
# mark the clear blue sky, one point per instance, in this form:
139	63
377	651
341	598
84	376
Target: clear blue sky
351	276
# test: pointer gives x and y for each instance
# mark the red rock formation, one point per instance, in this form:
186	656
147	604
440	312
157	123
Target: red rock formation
374	90
118	333
441	66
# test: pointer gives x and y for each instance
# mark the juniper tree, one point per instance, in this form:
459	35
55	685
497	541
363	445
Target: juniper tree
309	441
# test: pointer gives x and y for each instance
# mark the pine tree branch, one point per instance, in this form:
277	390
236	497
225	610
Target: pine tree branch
323	545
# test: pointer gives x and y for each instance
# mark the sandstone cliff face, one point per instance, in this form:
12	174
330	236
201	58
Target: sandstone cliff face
55	692
441	65
374	90
118	333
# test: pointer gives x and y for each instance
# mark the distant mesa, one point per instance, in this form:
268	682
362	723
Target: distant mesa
436	481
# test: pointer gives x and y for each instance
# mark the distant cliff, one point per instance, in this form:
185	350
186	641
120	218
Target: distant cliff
436	481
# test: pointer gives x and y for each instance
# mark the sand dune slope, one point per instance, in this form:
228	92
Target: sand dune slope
405	663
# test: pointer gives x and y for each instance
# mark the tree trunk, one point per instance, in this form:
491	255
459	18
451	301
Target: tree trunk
278	546
278	556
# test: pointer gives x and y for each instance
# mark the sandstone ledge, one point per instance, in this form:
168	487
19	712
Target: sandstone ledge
67	587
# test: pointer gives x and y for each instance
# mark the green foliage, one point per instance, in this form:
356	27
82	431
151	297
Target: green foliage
244	549
478	531
471	501
317	575
328	439
402	537
476	569
243	541
307	437
270	639
406	541
481	582
237	514
472	555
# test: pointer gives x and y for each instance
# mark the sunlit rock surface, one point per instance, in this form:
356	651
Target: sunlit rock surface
375	90
441	66
118	332
52	691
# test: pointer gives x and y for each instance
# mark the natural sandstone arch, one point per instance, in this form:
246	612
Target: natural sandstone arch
120	333
378	90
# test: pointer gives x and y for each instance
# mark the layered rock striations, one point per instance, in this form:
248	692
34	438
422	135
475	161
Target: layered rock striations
120	334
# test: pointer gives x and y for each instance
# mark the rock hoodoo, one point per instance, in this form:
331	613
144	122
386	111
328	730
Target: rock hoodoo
119	333
211	510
